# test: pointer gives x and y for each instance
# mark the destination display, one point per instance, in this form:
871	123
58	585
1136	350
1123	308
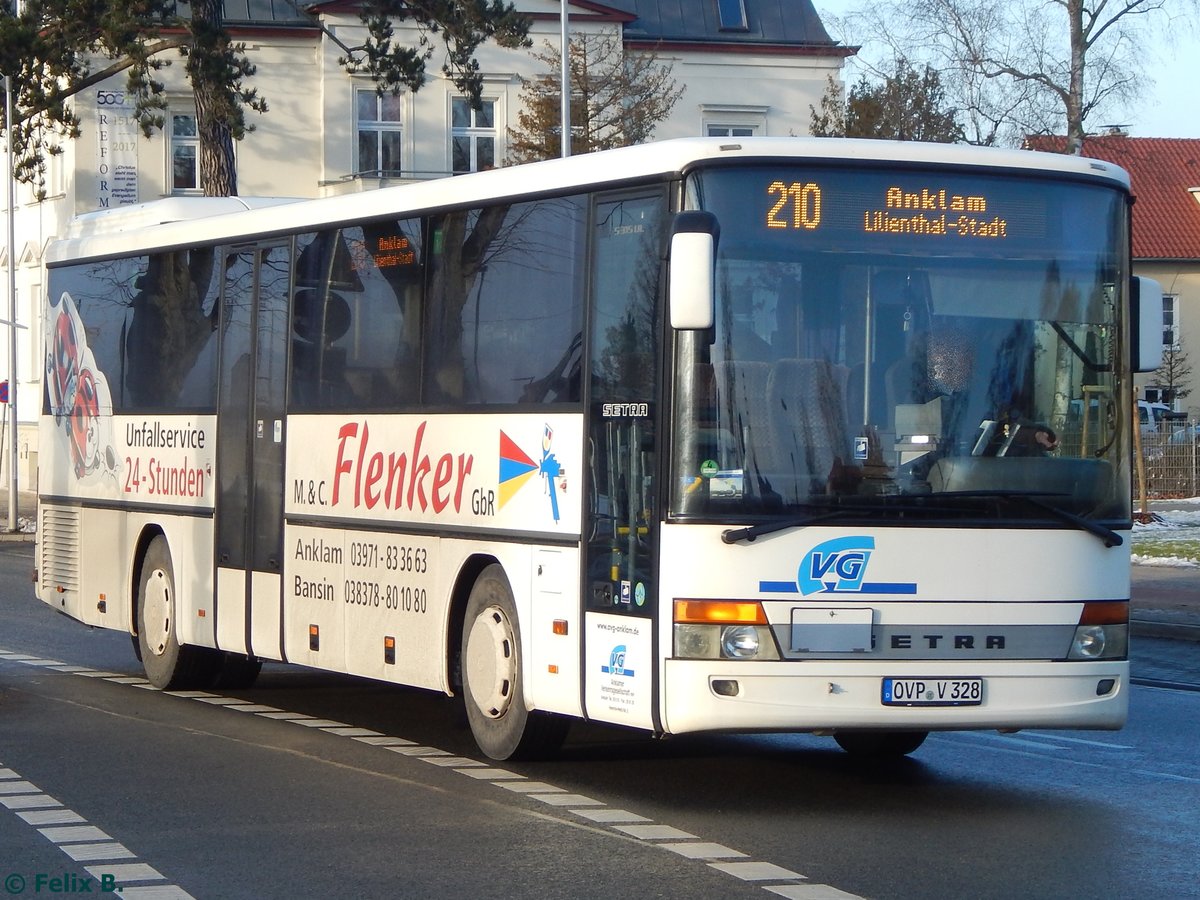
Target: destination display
924	210
829	207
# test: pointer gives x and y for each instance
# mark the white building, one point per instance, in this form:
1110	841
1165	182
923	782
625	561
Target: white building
750	67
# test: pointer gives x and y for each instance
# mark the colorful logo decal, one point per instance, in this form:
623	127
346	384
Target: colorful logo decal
616	662
838	566
78	391
517	468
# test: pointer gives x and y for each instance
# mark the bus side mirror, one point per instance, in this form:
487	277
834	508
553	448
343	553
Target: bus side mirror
1145	324
693	256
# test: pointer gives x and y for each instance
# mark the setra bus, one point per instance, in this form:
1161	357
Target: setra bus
764	435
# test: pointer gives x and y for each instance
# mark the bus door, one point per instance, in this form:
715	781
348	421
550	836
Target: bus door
620	587
250	449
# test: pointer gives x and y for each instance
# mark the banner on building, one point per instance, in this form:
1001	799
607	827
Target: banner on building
116	149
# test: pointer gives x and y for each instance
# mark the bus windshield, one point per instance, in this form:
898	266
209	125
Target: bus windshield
905	340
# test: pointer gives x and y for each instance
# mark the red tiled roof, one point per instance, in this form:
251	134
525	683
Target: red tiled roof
1166	217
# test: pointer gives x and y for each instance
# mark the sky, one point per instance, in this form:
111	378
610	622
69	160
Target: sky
1171	108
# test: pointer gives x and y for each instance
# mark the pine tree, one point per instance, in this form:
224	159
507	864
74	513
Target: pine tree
908	105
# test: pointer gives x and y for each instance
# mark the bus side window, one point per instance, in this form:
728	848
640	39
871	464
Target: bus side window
356	316
505	316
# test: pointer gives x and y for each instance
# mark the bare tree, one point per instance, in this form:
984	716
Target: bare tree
1175	373
617	99
1022	66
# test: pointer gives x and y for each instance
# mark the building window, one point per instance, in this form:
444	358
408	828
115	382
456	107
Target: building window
472	135
380	121
185	153
733	120
1171	321
732	14
730	130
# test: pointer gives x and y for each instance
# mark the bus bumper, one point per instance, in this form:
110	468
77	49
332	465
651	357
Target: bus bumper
702	695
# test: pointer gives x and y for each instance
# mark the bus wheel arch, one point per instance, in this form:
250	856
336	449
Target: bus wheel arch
492	668
169	665
470	571
139	560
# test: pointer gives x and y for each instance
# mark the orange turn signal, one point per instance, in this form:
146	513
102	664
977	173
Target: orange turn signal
722	612
1107	612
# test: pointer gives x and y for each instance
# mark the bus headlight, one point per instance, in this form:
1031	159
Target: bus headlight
1100	642
722	629
739	642
694	641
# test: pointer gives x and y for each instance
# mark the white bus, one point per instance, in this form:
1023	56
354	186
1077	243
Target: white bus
762	435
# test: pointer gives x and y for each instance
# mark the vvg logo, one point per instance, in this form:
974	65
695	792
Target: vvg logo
835	566
838	566
616	662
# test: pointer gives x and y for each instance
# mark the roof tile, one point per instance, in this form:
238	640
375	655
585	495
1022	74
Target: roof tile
1166	215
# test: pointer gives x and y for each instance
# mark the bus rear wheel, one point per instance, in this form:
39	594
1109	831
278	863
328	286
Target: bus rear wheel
169	665
491	673
880	745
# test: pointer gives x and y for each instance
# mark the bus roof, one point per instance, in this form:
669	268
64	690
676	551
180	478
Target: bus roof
182	221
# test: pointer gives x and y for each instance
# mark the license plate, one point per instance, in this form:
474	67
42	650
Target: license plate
932	691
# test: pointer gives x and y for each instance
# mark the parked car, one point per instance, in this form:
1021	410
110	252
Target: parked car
1185	435
1153	415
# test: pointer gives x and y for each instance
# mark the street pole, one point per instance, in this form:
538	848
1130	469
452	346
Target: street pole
565	140
12	307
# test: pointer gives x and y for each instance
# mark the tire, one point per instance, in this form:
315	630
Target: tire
168	664
880	745
492	669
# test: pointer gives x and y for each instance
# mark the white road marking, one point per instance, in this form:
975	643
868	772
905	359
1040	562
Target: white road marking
755	871
50	817
531	787
96	852
29	801
702	850
386	741
786	882
83	842
655	832
566	800
450	761
74	834
487	773
123	873
607	815
18	787
810	892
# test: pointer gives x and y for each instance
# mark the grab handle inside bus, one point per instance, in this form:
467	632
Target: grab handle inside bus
693	255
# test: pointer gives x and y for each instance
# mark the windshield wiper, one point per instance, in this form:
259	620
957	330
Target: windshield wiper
833	511
1110	537
919	502
749	533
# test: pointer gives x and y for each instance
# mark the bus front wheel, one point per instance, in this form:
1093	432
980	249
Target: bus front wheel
880	745
491	672
169	665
